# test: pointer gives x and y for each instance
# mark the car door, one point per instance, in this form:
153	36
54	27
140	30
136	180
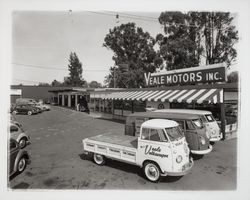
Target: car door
152	146
22	109
13	151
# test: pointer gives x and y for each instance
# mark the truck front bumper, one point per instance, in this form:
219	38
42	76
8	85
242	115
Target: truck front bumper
185	170
202	152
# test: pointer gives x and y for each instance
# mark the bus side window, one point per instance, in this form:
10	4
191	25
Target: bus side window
189	125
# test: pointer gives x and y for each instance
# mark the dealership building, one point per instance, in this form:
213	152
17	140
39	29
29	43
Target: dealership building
202	88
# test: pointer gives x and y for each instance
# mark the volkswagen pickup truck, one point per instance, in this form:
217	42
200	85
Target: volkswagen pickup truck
160	150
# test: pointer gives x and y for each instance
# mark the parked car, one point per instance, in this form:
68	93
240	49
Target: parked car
22	101
25	109
42	106
18	158
17	133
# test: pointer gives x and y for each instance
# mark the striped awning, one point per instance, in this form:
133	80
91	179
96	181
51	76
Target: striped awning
181	96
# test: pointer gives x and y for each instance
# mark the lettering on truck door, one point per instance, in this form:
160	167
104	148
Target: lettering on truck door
153	145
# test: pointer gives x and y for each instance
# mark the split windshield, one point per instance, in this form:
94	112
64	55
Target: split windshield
174	133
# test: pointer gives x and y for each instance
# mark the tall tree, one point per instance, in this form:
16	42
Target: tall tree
75	71
133	55
95	84
190	37
56	83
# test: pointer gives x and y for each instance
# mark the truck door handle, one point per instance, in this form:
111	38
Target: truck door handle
142	146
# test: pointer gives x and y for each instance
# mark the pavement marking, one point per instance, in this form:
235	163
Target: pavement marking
47	135
38	138
55	133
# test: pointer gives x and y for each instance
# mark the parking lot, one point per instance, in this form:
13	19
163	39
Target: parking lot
57	160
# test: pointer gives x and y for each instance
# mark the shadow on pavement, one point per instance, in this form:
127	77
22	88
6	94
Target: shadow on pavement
113	120
197	156
129	168
116	165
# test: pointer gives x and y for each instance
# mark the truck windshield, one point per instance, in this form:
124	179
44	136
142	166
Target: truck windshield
174	133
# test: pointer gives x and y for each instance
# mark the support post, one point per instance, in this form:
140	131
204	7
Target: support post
63	100
76	101
223	120
69	100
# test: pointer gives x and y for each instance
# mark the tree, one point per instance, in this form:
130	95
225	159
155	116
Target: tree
56	83
75	71
133	55
233	77
191	36
95	84
43	84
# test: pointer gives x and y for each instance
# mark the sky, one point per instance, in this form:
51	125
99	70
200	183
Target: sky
43	40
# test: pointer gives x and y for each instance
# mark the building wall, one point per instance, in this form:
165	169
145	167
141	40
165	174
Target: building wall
35	92
153	104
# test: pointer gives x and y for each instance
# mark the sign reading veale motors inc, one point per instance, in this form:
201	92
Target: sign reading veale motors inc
207	74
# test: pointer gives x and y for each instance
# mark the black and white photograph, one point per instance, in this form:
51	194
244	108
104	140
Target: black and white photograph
125	98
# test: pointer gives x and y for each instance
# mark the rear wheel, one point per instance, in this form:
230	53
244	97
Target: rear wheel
99	159
21	165
29	112
14	112
152	171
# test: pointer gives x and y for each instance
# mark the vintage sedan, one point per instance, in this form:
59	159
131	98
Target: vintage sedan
17	133
24	109
18	158
42	106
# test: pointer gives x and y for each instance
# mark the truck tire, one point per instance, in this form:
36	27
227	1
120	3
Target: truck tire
14	112
29	113
99	159
152	171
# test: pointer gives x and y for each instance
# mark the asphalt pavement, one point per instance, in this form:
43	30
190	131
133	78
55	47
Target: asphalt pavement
57	160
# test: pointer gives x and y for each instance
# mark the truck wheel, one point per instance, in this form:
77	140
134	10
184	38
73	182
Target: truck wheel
99	159
21	165
14	112
29	112
152	171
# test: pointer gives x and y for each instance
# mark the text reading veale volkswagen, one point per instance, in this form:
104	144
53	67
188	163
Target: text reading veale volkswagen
161	149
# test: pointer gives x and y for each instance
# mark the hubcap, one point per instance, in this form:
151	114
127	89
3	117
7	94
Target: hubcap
152	172
22	143
98	158
21	165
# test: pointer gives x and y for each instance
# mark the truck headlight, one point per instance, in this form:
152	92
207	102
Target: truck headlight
179	159
202	140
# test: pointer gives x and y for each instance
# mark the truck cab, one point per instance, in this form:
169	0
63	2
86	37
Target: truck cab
161	149
163	143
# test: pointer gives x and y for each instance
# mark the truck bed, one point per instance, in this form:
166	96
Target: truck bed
112	138
122	147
